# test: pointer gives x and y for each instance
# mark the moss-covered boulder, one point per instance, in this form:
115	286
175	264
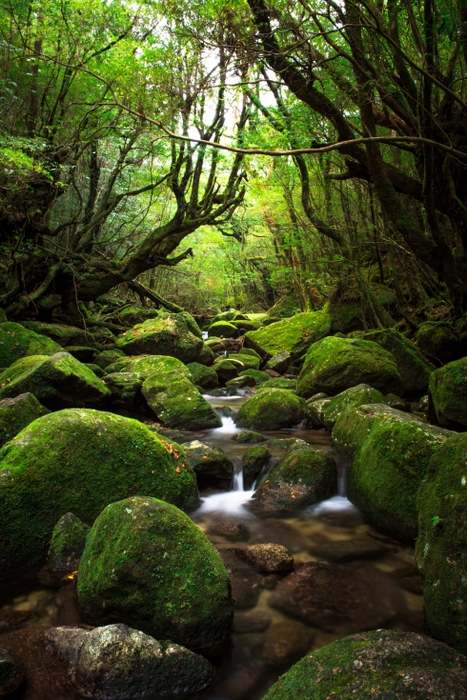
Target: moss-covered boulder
280	361
227	370
222	329
253	461
17	341
17	413
190	322
438	341
346	315
244	361
373	665
134	313
148	565
294	335
258	375
168	335
125	391
202	376
206	356
315	411
177	403
304	477
271	409
67	545
388	469
209	463
147	365
414	369
335	364
61	333
448	395
248	436
353	397
441	551
59	381
279	383
80	460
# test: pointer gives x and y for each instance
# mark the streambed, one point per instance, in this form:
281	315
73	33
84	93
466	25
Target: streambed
270	632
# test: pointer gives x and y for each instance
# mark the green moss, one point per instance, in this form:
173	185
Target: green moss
125	390
167	335
376	665
222	329
279	383
80	460
149	566
227	370
294	335
448	395
253	461
62	334
206	356
59	381
17	413
250	352
177	403
441	551
107	357
438	341
271	409
147	365
258	375
248	361
245	325
17	341
205	377
248	436
335	364
353	397
20	367
67	543
412	365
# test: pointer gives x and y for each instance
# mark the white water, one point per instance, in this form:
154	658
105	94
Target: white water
230	503
228	427
333	504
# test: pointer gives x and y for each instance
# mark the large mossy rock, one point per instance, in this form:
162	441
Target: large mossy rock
67	545
205	377
271	409
441	551
168	335
304	477
148	565
438	341
222	329
17	413
294	335
62	334
177	403
413	367
209	463
448	395
125	391
59	381
350	398
17	341
147	365
335	364
80	461
388	469
376	665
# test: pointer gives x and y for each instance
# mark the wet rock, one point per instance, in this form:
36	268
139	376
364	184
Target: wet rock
301	479
335	364
409	578
17	413
350	398
281	446
209	463
248	436
251	621
271	409
280	361
279	532
339	598
286	642
67	545
379	664
235	532
341	551
268	558
253	461
120	663
10	675
139	541
80	460
167	335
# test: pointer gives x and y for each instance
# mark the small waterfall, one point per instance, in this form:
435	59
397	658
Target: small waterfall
228	427
237	484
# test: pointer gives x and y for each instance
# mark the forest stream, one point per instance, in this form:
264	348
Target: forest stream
267	637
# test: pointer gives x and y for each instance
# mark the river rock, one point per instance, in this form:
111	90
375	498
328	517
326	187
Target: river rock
448	395
17	413
121	663
258	375
279	383
271	409
335	364
67	545
251	621
248	361
339	598
441	551
357	548
353	397
293	335
167	335
413	367
148	565
253	461
10	675
285	642
373	665
315	411
206	356
16	341
246	583
59	381
177	403
204	377
248	436
80	460
209	463
302	478
267	558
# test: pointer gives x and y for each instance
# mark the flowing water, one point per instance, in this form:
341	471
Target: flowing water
265	640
